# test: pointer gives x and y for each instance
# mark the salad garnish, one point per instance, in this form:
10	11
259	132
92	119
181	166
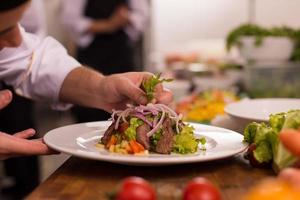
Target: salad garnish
148	85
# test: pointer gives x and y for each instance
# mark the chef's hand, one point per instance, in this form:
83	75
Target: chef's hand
120	89
120	17
18	144
291	140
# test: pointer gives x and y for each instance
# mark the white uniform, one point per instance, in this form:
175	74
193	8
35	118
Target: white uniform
37	68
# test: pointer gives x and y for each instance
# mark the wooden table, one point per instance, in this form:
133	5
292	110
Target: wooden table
88	179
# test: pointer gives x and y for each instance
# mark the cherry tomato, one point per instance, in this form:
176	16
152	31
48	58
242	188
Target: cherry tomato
135	188
201	189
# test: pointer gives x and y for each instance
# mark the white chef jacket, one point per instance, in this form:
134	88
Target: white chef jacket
78	24
37	68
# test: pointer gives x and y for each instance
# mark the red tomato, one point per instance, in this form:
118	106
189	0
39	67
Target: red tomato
201	189
135	188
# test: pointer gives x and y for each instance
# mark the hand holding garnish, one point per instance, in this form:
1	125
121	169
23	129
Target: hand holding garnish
150	86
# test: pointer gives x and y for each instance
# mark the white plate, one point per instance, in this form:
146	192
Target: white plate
260	109
80	139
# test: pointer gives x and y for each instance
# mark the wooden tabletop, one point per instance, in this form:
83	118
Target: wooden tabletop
85	179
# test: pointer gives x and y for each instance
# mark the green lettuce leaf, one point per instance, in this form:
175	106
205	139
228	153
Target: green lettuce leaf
257	133
263	152
131	130
185	142
148	85
282	158
266	139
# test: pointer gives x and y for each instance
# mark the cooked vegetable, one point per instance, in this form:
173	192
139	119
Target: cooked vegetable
268	147
149	85
136	147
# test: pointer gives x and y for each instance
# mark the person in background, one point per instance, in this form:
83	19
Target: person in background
105	33
43	71
23	172
291	140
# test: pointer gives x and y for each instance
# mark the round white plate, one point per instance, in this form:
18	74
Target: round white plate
80	140
260	109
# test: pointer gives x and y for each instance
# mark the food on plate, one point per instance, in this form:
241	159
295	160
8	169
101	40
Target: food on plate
205	106
152	127
135	188
148	85
265	146
201	188
274	189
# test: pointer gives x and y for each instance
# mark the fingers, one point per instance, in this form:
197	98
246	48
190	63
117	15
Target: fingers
133	92
291	175
291	140
30	147
25	134
11	145
5	98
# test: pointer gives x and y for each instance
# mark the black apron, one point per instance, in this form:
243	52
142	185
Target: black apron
108	53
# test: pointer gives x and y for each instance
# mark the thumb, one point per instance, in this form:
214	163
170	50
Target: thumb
291	140
5	98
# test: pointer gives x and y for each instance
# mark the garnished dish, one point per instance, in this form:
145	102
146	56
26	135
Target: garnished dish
152	127
265	147
205	106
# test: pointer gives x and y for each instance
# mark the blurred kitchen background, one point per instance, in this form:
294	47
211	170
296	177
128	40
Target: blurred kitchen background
186	40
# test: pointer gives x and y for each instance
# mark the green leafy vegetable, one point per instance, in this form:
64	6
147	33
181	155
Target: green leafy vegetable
263	152
131	130
266	139
185	142
149	85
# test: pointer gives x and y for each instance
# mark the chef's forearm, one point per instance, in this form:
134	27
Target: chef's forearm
82	87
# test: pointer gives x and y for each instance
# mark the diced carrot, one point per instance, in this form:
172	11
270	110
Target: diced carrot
112	141
136	147
140	146
128	149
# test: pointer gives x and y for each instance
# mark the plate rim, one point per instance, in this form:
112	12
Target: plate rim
228	107
136	160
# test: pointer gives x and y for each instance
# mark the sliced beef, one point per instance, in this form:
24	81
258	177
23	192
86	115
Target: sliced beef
141	135
165	143
108	133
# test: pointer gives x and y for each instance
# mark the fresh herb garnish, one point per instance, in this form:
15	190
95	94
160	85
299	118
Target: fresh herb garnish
148	85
